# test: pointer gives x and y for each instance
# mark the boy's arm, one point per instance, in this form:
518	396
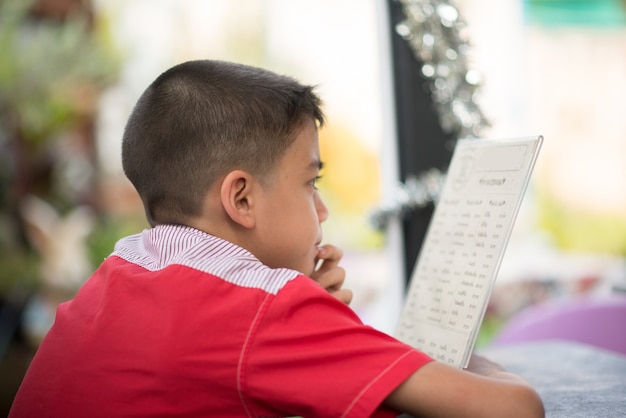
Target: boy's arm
484	390
438	390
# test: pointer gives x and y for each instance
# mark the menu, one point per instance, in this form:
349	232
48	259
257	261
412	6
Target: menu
464	245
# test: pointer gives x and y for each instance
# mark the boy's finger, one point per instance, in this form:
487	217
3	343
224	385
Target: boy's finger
344	295
330	256
332	279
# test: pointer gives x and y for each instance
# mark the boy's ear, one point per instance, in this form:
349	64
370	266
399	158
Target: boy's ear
237	199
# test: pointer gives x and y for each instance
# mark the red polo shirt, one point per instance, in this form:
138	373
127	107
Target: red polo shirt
177	322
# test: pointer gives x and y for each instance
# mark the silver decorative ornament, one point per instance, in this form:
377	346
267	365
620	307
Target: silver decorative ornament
432	29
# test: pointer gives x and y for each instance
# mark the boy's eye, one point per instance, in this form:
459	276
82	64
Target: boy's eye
313	182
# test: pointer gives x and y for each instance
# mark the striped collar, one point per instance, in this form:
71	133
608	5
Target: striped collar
167	245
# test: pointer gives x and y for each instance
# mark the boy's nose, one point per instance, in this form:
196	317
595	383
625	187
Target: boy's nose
322	210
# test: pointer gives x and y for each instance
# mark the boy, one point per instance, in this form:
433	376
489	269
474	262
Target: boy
221	308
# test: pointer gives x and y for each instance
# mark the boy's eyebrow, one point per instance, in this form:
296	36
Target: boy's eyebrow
317	165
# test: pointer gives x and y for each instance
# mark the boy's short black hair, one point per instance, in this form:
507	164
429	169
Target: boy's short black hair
201	119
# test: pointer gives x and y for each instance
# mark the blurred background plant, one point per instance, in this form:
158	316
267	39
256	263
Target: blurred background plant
55	59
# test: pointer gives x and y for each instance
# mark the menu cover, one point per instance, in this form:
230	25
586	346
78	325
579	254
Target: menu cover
464	245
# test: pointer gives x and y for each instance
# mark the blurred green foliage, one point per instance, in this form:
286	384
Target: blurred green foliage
108	231
51	74
576	230
50	71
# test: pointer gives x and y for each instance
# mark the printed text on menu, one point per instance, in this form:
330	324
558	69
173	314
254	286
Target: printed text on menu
462	250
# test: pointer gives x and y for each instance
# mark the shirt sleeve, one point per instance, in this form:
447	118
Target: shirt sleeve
310	355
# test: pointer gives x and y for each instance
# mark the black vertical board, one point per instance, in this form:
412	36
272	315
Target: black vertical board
422	144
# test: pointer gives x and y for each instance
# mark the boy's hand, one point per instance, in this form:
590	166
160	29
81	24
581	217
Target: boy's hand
329	275
483	366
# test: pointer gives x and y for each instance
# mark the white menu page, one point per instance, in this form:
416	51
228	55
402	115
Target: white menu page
464	245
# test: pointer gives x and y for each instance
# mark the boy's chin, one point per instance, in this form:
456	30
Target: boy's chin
308	270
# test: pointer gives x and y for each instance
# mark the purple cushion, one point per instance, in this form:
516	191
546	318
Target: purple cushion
600	322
